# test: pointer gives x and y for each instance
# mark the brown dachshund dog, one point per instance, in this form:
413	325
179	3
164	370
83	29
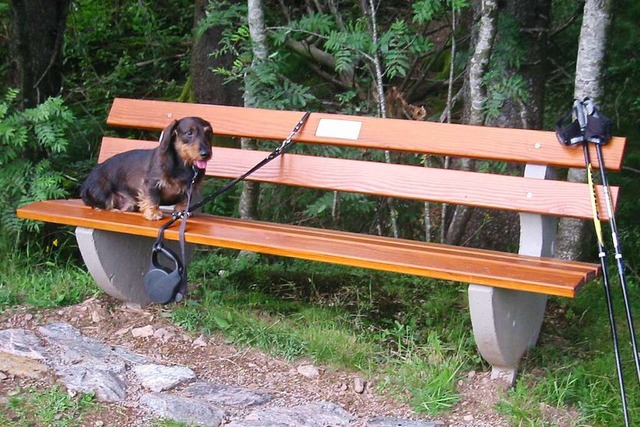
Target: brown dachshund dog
143	180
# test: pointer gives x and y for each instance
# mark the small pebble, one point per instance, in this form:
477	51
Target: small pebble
200	342
308	371
144	332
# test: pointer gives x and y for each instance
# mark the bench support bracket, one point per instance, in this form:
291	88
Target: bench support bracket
506	323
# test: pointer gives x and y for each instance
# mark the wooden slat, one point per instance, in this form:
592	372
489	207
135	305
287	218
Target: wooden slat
518	145
559	198
511	271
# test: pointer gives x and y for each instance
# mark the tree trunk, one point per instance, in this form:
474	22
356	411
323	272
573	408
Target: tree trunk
478	64
370	10
251	191
596	19
209	87
532	19
37	32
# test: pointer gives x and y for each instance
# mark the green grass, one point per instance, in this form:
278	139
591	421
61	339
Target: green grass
411	335
52	407
387	326
573	367
43	282
428	372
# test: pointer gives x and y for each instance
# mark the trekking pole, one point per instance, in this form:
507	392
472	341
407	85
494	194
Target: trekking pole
582	120
599	141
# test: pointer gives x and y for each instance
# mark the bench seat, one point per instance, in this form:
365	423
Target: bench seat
462	264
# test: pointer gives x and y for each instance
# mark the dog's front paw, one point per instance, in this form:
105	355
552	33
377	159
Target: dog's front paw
153	214
180	207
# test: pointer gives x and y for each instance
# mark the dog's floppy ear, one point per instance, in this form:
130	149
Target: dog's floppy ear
167	135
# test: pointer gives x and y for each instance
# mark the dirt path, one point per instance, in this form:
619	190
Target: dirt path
148	332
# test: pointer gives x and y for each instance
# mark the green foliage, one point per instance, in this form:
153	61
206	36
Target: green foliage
252	317
430	374
424	11
274	92
503	82
349	40
33	144
581	393
231	17
5	24
396	46
287	80
52	407
128	48
43	280
266	81
352	205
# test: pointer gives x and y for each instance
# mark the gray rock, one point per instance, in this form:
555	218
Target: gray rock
160	378
77	348
183	409
87	364
108	386
239	397
143	332
323	414
22	343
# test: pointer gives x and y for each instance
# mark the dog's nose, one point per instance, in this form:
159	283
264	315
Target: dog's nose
204	154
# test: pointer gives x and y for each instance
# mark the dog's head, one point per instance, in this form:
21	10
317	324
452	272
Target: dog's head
191	138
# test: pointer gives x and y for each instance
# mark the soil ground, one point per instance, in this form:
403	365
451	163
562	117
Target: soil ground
215	360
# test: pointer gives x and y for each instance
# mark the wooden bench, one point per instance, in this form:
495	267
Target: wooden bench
507	291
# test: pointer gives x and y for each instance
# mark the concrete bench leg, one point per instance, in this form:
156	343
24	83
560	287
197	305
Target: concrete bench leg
118	262
507	323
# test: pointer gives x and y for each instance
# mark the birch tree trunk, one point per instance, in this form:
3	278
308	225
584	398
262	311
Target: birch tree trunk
478	64
596	20
248	206
532	19
370	9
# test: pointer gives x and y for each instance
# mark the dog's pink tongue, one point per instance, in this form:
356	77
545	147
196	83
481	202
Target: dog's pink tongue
201	164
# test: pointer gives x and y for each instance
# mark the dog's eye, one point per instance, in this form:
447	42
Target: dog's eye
189	133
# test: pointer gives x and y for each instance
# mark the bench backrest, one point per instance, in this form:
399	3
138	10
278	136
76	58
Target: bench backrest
489	190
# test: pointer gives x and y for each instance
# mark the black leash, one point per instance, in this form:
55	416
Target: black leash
164	284
167	284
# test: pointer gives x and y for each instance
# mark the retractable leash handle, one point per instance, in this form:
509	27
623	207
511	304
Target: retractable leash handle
161	283
164	284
